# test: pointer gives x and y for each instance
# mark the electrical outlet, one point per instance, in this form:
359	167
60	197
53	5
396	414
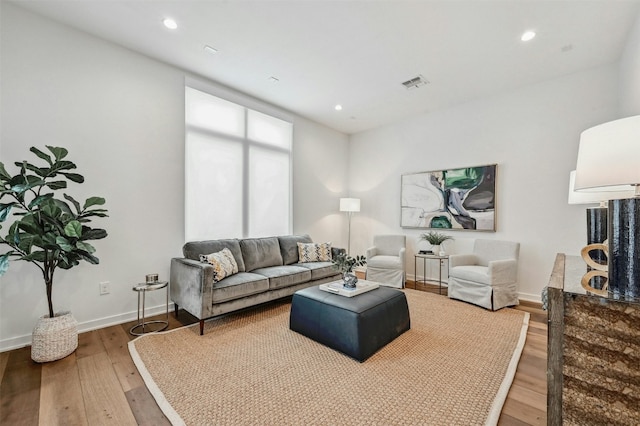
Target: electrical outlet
105	288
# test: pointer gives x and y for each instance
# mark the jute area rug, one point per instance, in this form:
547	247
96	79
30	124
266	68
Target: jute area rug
454	367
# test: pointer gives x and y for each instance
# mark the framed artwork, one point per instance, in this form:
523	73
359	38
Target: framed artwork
450	199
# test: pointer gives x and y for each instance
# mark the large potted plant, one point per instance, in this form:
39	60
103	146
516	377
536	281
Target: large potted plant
51	233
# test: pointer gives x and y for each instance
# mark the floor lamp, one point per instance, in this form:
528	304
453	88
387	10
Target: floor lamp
608	160
349	205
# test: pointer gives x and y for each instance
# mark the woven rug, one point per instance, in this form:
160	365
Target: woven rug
454	367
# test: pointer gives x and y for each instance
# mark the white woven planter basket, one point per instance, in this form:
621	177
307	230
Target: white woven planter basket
54	338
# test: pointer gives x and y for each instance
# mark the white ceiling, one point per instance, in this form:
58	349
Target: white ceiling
357	53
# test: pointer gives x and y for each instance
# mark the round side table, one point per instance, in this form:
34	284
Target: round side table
142	290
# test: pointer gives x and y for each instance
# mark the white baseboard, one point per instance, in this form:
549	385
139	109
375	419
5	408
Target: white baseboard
22	341
530	297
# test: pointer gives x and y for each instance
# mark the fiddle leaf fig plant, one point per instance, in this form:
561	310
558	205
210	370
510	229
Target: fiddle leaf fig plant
47	230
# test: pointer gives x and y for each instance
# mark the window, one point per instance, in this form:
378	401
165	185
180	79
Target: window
237	170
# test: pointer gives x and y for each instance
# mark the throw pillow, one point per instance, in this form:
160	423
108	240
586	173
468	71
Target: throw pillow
314	252
224	264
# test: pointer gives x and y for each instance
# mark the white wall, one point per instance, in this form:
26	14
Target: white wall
531	133
630	74
121	115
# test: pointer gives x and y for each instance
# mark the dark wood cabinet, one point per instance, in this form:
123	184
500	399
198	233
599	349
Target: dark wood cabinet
593	364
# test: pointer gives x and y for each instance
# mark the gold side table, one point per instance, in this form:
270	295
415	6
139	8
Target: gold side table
142	290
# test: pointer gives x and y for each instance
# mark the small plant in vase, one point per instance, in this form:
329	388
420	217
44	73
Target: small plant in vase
345	264
435	239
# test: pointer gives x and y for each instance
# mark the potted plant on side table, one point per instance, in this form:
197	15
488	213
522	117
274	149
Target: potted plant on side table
51	233
435	239
345	264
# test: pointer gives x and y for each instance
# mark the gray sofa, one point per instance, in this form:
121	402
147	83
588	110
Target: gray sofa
268	269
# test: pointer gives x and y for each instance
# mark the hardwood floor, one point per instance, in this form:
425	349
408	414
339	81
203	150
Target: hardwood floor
99	384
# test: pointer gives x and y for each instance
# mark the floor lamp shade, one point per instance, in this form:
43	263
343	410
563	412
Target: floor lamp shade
608	158
349	204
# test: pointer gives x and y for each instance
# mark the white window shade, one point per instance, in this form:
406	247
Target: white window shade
270	130
213	183
237	170
269	212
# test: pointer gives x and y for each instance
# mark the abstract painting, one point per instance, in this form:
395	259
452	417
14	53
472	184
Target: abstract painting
450	199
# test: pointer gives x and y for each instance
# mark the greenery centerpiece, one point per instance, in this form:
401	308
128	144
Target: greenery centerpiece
48	231
345	264
435	239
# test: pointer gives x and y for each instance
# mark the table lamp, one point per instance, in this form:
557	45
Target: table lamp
349	205
609	160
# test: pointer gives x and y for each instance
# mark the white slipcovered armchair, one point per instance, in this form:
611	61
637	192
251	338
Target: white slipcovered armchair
385	260
488	277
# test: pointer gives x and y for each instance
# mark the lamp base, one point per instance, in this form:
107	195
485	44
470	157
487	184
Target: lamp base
624	249
596	234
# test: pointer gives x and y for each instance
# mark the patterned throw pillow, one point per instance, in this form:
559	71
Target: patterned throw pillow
314	252
224	264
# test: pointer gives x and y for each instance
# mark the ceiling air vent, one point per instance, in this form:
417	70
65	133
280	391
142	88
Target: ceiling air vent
415	82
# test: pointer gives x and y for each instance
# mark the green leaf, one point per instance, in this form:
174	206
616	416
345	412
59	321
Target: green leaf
38	256
41	154
92	234
85	247
59	166
93	201
20	188
73	229
58	152
73	201
89	258
3	173
5	209
74	177
39	200
59	184
64	244
39	171
4	262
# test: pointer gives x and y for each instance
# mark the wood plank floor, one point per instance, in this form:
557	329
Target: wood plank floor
99	384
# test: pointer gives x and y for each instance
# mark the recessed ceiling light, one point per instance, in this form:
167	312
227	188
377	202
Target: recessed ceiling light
528	35
170	23
338	107
210	49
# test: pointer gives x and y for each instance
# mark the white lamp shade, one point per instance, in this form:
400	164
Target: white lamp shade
609	156
349	204
585	197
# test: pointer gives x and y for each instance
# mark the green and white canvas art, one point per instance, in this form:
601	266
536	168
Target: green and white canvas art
463	198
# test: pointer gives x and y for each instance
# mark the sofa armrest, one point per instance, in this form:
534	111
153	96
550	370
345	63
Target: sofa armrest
462	259
503	271
401	255
191	286
371	251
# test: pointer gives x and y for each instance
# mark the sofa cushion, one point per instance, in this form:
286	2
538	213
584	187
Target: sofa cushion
475	273
260	253
289	247
314	252
193	250
386	262
320	269
223	262
285	276
239	285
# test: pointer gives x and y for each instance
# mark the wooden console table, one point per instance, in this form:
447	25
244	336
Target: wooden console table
593	355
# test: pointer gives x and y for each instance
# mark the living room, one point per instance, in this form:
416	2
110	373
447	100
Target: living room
121	115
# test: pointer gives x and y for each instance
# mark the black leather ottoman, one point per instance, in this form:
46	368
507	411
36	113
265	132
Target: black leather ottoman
356	326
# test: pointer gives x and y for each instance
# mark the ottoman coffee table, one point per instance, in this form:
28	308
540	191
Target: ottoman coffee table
357	326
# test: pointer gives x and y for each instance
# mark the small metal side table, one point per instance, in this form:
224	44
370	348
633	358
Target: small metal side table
142	290
424	258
